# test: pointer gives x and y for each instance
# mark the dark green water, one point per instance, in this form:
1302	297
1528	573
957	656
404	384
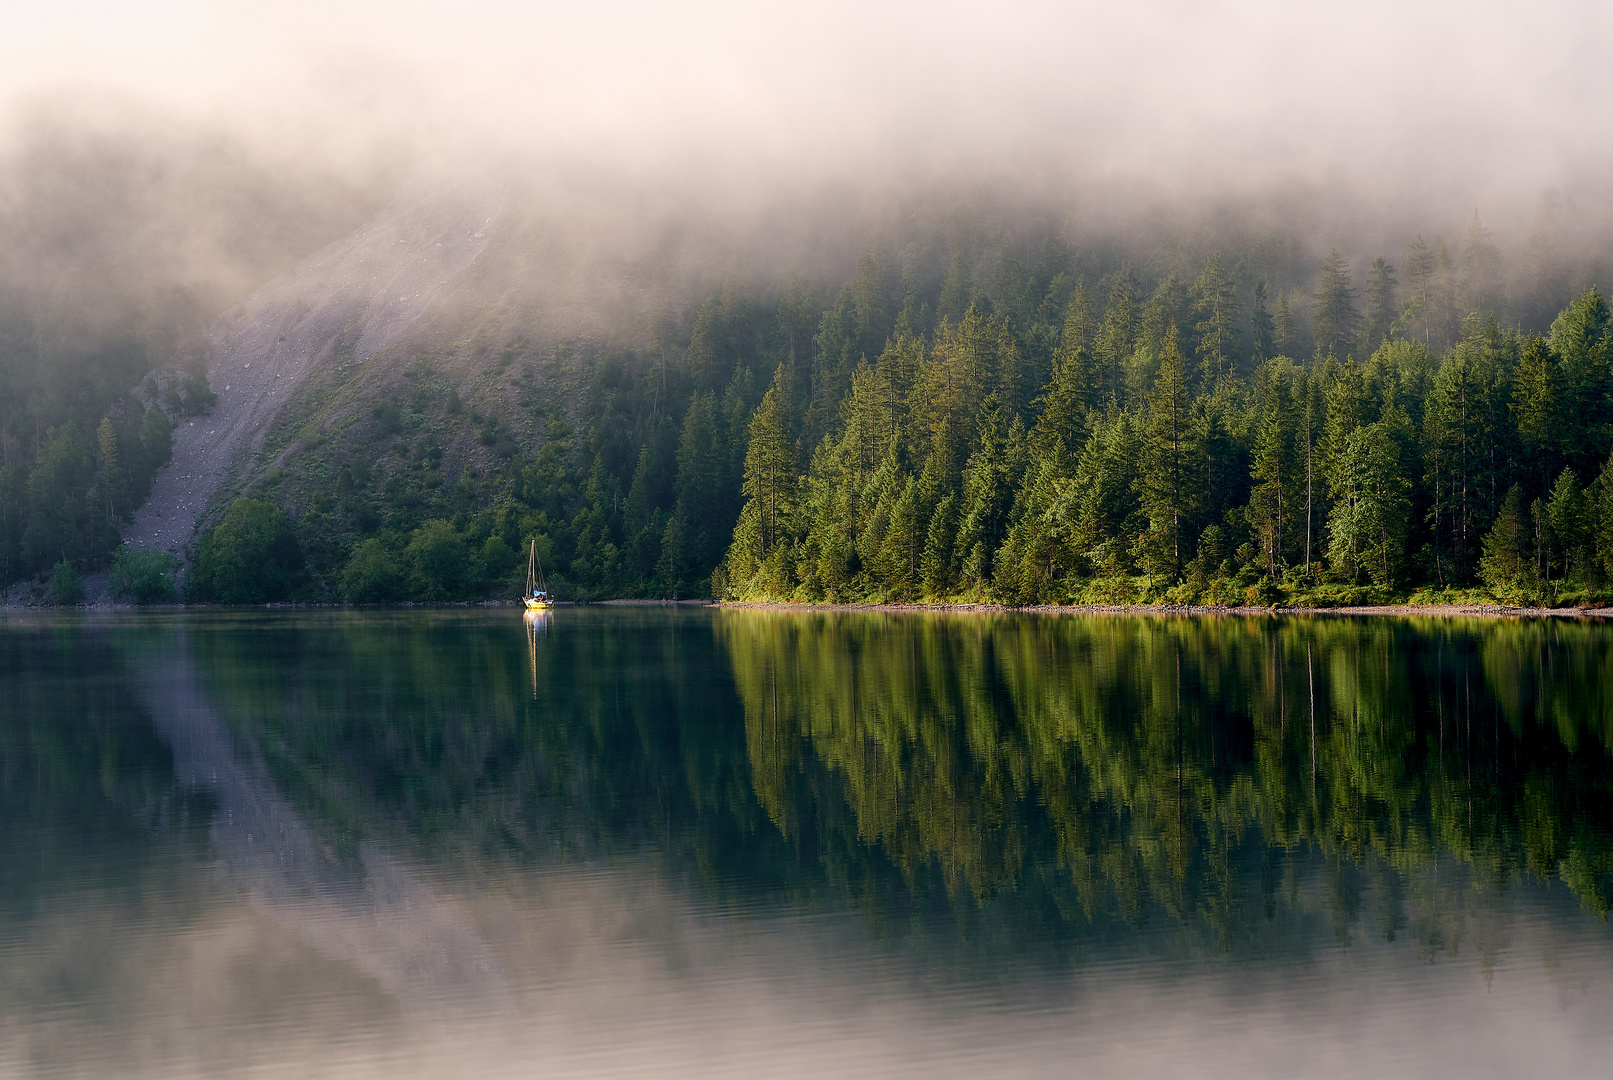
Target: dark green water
696	842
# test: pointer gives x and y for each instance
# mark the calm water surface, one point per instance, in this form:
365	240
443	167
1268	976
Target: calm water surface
711	843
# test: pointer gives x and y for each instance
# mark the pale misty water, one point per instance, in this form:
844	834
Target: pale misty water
732	843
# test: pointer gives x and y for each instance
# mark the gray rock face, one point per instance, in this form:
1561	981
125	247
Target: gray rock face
369	288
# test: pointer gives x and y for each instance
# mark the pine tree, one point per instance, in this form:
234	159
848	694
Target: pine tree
1037	555
701	532
1537	407
111	483
1568	516
1308	414
1117	338
939	568
988	488
1170	458
1581	340
1344	392
1599	514
1481	263
1367	526
1272	501
770	481
1262	330
1420	265
1215	303
1102	502
1507	564
1284	334
1458	432
1333	319
1380	314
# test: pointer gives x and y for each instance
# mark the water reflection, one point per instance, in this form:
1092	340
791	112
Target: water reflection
1180	767
693	842
537	622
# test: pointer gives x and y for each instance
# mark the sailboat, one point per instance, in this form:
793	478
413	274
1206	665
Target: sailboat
537	596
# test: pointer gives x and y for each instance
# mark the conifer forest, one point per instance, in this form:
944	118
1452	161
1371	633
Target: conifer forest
1024	421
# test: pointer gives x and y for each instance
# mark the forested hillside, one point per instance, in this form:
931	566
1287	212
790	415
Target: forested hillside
119	243
989	402
1003	415
1174	449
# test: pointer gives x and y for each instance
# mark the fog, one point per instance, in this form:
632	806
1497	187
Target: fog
201	150
1483	103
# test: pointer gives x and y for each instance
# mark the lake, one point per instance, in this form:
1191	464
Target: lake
698	842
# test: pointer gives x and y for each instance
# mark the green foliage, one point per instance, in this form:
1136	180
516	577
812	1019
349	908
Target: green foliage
1369	519
66	586
943	422
371	576
1334	317
144	575
252	557
440	561
1105	484
1507	565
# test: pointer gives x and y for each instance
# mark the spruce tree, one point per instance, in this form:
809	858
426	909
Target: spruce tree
1216	305
1568	516
1367	525
1262	330
1333	318
1117	338
1481	263
1380	313
1458	434
111	480
1169	463
1537	408
1275	472
701	532
1507	564
767	520
1284	333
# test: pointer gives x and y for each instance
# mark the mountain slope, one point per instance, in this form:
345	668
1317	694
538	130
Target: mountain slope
342	305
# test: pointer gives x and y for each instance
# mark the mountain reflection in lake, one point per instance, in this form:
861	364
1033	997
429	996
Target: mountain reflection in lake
696	842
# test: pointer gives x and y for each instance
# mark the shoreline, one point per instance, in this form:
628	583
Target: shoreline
1453	611
1470	611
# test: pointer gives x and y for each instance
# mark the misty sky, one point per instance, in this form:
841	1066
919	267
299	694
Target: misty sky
1462	101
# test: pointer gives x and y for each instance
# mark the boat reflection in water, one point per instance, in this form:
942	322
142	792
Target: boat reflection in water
537	624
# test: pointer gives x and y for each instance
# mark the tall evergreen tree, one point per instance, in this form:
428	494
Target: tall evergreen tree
1367	525
1334	318
1481	266
1216	304
1458	430
1537	409
769	484
1169	463
1262	330
1581	340
700	530
1381	311
1284	332
1117	338
987	496
1275	472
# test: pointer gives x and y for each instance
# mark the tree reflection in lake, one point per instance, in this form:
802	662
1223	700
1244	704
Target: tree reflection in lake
1188	768
898	825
